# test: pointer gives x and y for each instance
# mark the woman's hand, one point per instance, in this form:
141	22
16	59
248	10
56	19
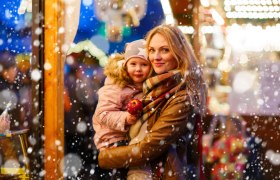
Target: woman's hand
4	123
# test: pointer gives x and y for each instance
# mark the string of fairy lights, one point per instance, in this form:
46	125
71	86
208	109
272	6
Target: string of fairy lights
252	9
265	37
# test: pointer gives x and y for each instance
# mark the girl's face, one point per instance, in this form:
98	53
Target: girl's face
138	70
160	55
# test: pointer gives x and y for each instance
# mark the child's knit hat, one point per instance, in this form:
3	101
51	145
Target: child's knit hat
135	49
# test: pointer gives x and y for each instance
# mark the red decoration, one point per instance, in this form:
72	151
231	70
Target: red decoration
228	155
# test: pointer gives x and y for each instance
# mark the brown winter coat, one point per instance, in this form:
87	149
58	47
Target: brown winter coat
166	140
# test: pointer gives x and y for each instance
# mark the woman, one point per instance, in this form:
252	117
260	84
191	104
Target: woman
174	97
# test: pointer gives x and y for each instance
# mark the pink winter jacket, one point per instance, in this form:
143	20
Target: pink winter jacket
109	119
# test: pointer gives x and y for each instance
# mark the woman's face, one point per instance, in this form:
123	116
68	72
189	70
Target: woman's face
160	55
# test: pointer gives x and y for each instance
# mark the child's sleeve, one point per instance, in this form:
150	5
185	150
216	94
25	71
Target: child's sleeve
109	111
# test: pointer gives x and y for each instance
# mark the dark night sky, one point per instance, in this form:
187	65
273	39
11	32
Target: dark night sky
15	34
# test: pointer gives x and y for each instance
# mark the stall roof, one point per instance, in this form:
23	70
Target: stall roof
89	47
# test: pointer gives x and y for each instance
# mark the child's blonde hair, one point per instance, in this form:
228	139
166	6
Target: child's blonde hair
115	70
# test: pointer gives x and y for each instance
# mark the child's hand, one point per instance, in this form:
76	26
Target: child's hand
4	123
131	119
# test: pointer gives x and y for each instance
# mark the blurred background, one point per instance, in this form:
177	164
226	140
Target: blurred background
237	44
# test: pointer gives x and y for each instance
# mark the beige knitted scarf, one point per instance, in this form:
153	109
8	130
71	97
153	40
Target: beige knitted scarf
157	90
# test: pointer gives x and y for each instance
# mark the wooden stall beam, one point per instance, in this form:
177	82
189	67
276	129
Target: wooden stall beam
53	90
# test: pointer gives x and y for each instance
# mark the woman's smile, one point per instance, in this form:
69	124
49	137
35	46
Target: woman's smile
158	64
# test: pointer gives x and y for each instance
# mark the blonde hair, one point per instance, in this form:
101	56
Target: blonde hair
116	71
186	60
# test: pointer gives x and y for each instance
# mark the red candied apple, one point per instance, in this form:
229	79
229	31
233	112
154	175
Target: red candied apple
135	107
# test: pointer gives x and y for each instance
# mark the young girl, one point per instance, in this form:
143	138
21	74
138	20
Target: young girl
125	76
